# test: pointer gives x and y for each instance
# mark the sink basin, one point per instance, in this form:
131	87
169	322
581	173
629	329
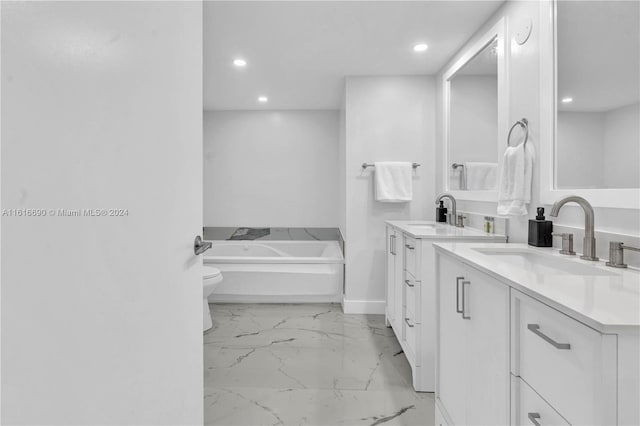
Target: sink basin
540	263
422	224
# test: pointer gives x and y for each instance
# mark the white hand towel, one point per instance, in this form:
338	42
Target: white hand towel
514	189
393	182
481	176
456	177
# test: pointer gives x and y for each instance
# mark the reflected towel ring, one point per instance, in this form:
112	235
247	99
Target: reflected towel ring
523	123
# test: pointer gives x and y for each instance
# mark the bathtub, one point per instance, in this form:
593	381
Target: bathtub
277	271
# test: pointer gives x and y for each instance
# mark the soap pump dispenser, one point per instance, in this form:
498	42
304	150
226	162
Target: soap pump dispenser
540	230
441	212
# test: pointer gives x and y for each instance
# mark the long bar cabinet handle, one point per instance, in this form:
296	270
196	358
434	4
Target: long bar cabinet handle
533	417
464	303
535	329
458	310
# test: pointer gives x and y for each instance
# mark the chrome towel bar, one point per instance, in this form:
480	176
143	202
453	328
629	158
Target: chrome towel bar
365	165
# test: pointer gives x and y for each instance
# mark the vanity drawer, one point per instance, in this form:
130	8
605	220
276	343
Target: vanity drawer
569	364
409	336
530	408
412	295
410	255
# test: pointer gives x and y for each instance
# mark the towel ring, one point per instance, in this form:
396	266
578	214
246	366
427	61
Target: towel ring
524	123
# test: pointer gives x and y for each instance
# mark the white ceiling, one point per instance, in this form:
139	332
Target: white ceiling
299	52
598	54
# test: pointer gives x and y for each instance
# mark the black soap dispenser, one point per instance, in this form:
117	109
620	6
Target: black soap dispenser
441	212
540	230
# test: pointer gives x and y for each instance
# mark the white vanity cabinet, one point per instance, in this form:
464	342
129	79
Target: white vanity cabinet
510	353
473	345
411	292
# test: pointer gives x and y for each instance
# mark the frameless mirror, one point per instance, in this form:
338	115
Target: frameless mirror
474	119
597	96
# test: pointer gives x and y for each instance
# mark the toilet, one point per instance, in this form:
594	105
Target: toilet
211	277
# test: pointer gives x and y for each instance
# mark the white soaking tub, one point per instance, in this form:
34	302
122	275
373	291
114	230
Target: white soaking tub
277	271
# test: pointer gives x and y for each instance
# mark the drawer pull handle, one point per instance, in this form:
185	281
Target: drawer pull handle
409	283
534	418
408	323
464	302
458	310
409	246
535	329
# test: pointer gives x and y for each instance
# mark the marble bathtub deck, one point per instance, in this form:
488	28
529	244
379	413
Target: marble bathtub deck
306	365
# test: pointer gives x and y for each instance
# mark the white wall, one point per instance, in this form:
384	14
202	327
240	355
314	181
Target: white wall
622	147
271	168
342	170
474	118
606	143
102	316
580	135
524	101
387	119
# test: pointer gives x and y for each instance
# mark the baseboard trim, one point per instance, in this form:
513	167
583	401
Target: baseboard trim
363	306
246	298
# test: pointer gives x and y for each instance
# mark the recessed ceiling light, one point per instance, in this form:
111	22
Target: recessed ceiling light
239	62
263	99
567	100
421	47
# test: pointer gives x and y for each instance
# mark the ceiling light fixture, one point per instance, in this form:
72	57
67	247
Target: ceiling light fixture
566	100
239	62
420	47
263	99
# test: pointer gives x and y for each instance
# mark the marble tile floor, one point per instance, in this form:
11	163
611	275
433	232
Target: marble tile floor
285	364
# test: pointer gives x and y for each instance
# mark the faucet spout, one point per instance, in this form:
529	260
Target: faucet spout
452	215
589	241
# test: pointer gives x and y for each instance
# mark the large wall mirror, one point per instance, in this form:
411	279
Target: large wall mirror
474	98
596	109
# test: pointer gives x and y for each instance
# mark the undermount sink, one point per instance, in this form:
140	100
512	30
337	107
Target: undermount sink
541	263
422	224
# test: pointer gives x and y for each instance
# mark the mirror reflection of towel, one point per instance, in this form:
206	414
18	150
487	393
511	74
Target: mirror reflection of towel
456	178
481	176
514	189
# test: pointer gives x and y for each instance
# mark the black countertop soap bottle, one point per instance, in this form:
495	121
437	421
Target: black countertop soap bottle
441	212
540	230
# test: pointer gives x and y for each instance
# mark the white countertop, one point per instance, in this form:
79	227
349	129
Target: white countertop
436	230
607	299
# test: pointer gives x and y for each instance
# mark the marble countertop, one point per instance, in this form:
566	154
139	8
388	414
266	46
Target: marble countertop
605	298
271	234
436	230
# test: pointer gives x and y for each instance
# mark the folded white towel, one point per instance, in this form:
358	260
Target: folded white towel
514	189
456	178
393	182
481	176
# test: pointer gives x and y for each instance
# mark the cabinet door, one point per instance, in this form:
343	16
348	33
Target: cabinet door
398	283
486	312
452	358
391	276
